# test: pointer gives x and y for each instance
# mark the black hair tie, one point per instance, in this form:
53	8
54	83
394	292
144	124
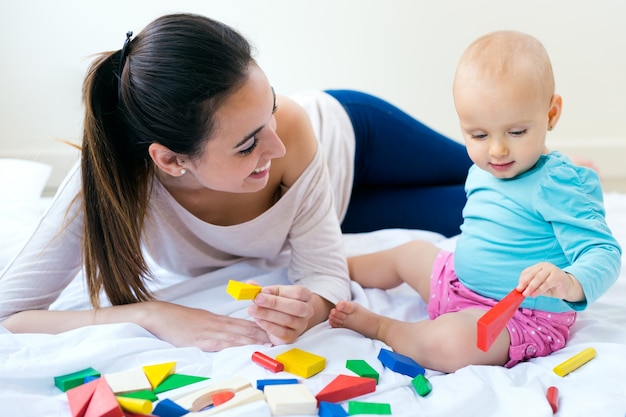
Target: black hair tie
123	54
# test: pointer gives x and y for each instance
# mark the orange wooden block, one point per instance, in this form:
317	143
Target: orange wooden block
345	387
493	321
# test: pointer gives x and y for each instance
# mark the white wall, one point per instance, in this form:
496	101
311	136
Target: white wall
403	50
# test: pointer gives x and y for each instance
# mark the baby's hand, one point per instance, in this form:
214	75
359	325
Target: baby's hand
546	279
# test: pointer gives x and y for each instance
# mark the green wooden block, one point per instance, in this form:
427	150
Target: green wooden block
69	381
142	395
176	381
422	385
360	407
362	368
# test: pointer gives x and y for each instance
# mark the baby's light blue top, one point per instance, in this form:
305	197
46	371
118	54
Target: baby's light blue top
551	213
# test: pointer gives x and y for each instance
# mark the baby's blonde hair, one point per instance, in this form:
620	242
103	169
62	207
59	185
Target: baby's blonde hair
507	56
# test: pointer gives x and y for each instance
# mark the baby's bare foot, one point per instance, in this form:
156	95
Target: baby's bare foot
353	316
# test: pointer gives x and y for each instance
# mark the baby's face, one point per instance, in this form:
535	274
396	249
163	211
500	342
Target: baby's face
504	125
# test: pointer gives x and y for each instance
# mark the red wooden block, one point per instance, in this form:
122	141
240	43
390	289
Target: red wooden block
221	397
267	362
345	387
493	321
553	398
103	402
79	397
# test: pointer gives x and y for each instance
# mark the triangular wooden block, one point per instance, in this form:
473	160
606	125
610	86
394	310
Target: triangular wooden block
345	387
103	402
176	381
79	397
156	374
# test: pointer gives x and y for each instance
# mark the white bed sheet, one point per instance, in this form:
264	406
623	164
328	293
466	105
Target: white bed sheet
29	362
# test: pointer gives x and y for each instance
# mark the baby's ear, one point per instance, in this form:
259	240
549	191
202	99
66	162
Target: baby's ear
554	113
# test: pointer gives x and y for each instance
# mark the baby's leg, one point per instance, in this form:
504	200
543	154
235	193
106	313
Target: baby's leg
411	262
445	344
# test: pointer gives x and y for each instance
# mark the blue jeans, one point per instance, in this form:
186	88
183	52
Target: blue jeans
406	175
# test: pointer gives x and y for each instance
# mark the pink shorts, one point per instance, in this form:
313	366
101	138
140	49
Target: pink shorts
533	333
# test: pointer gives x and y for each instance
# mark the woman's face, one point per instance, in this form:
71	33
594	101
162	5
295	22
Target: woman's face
237	157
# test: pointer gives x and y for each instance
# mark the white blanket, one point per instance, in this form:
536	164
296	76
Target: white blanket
29	362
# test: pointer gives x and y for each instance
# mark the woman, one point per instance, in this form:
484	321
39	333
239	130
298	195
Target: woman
190	158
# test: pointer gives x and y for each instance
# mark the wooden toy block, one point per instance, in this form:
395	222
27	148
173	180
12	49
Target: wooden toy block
362	368
422	385
552	395
156	374
103	402
128	381
69	381
177	381
221	397
491	324
267	362
241	290
142	395
400	363
331	410
359	407
345	387
135	405
575	362
129	414
262	383
302	363
290	399
201	399
168	408
78	398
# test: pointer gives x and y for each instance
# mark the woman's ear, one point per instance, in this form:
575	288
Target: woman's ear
166	160
554	114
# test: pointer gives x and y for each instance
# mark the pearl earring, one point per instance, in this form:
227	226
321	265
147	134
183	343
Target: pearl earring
183	171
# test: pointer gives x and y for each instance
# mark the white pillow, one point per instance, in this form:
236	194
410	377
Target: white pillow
21	204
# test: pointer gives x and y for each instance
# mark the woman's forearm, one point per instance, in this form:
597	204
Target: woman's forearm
54	322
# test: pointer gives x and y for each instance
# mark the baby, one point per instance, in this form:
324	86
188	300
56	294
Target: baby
533	221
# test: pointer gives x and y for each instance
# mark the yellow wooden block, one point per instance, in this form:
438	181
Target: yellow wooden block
302	363
241	290
157	373
135	405
575	362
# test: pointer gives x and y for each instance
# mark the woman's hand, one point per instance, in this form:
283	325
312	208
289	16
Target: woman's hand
184	326
284	311
547	279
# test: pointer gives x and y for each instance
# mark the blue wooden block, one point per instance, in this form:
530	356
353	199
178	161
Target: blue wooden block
168	408
331	410
400	363
262	383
